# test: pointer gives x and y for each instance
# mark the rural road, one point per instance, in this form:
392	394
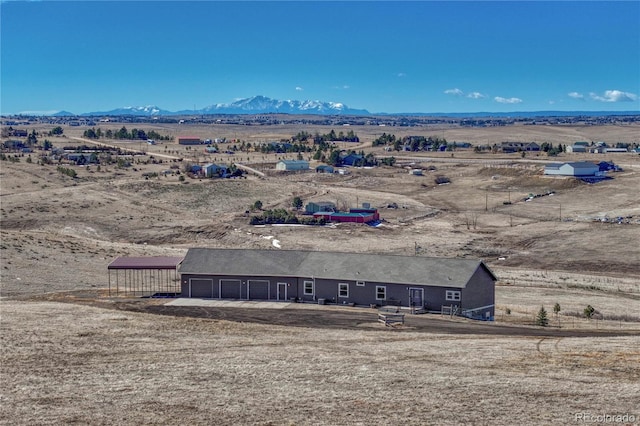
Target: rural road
132	150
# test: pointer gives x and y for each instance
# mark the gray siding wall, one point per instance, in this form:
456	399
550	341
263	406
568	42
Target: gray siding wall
233	287
479	292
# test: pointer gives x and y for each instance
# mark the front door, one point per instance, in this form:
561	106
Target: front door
282	291
416	298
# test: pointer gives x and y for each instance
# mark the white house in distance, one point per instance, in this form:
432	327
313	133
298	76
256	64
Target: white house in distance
576	168
292	165
578	147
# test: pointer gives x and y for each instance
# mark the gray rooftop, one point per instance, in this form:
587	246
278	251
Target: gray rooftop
582	164
332	265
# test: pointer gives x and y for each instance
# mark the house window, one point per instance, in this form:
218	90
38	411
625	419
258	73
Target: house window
308	288
343	290
453	295
381	292
360	283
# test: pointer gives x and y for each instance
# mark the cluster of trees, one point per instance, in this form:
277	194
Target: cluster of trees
350	136
551	150
56	131
282	216
67	171
123	133
32	139
332	136
14	159
282	147
414	143
542	318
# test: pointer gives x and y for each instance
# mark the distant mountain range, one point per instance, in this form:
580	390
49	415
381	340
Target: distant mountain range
265	105
253	105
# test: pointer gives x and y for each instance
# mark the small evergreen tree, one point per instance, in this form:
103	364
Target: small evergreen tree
556	309
589	311
541	318
297	202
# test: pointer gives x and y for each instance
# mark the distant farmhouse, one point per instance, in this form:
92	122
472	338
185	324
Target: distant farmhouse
431	284
578	169
214	170
292	165
578	147
19	133
353	159
508	147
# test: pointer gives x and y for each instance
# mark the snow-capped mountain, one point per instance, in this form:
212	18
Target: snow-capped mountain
149	110
253	105
263	104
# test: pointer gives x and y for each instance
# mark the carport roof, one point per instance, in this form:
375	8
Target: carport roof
442	272
148	262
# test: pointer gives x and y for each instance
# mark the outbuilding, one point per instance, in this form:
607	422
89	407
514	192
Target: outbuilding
189	140
576	148
433	284
615	150
292	165
320	206
324	168
144	276
576	168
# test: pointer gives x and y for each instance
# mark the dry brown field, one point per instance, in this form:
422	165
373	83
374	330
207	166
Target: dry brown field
72	355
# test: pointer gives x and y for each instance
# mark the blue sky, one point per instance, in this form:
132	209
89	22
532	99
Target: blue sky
418	56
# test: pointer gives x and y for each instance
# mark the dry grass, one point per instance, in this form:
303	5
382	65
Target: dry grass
64	363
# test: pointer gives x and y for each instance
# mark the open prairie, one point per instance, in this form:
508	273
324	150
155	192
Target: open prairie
71	354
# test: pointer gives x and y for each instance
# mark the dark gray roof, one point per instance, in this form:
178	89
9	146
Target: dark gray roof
582	164
148	262
332	265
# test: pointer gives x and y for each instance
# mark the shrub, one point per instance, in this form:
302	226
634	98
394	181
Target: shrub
589	311
541	318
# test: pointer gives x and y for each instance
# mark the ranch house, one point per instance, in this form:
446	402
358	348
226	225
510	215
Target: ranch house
432	284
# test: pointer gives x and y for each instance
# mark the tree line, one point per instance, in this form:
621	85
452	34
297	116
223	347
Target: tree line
414	143
123	133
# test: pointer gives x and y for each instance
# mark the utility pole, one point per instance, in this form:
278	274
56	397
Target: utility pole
486	201
560	212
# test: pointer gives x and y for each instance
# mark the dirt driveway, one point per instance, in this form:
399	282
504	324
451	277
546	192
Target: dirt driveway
320	317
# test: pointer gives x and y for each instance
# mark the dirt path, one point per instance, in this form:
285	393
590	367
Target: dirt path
132	150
